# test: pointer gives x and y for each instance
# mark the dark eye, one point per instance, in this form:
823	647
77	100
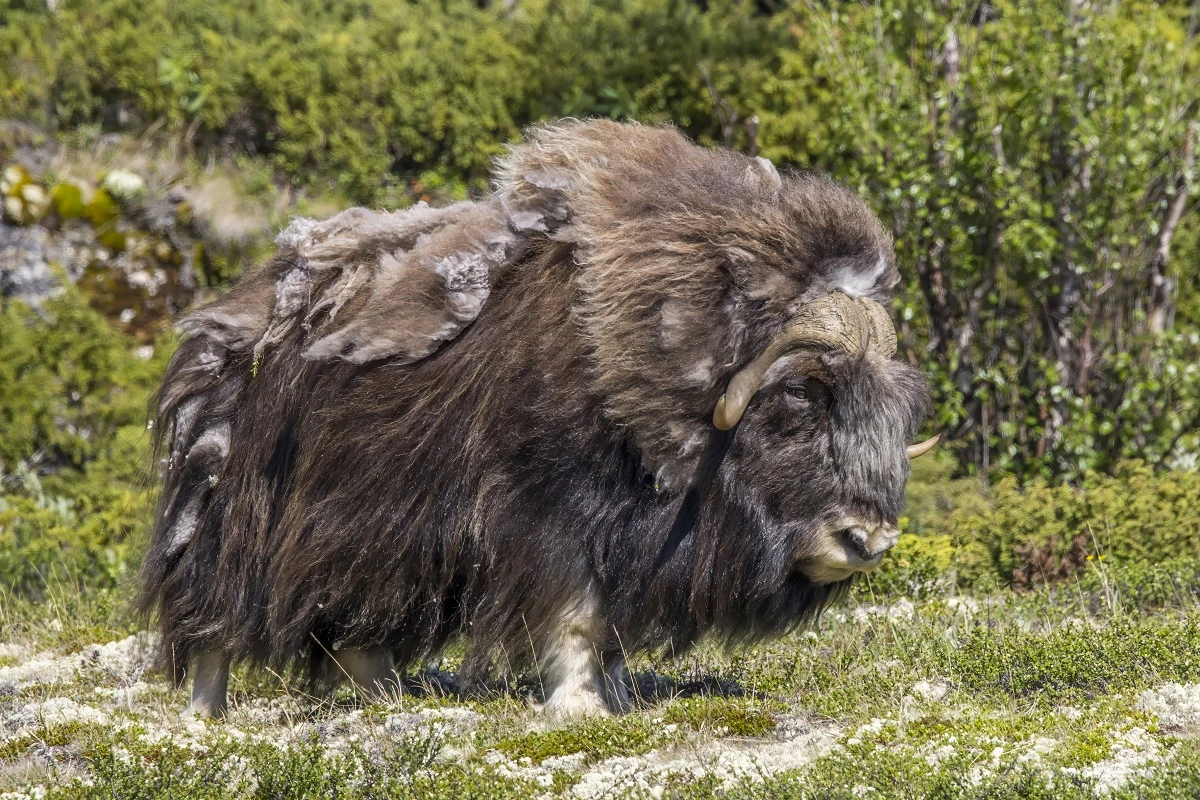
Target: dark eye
806	392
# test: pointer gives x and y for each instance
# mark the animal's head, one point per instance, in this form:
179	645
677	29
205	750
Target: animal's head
824	417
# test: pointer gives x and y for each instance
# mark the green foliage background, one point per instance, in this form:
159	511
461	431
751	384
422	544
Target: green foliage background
1027	157
73	401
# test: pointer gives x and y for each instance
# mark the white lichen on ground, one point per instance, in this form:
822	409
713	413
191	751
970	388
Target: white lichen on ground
878	700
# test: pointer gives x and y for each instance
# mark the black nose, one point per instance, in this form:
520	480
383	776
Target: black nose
857	538
866	545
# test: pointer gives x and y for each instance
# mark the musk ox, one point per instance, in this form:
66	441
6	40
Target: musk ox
643	393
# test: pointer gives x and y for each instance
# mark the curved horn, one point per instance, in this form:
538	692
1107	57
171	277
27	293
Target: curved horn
918	450
833	322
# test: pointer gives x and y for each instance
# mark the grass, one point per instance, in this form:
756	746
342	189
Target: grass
1080	660
1054	693
65	615
721	716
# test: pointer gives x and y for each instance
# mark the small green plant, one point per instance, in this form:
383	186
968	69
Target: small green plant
721	715
596	738
957	532
1078	660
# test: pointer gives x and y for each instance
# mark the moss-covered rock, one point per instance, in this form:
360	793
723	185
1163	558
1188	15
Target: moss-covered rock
104	213
68	201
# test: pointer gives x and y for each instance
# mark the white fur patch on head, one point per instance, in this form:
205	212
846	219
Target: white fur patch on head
701	373
860	284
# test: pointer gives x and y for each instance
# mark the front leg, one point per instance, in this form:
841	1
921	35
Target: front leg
570	666
210	685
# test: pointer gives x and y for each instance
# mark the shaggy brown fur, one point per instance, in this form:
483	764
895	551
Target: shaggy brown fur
483	418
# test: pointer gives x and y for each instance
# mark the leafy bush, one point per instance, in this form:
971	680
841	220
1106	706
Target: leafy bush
1136	516
68	382
1027	156
73	402
89	537
1030	159
1034	160
371	93
1141	523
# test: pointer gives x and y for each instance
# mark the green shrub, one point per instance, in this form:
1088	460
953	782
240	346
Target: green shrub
373	94
68	382
931	552
1142	524
1024	155
597	738
1137	516
74	401
1027	156
92	534
1172	582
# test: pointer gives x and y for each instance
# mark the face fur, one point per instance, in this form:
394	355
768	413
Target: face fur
823	443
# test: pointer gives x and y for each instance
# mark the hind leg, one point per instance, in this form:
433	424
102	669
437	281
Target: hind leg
372	670
616	684
210	685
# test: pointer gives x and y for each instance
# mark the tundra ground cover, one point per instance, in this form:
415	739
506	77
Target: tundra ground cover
1056	693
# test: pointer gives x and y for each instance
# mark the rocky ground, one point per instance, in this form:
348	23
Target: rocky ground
1001	696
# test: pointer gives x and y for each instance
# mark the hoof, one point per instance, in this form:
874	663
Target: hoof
203	710
575	705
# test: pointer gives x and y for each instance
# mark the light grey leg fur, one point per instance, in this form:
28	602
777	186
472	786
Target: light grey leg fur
210	685
372	670
569	664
